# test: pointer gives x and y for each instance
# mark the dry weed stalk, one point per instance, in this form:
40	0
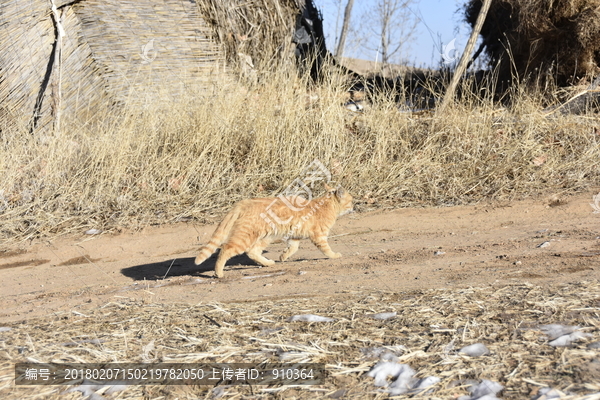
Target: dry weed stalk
194	158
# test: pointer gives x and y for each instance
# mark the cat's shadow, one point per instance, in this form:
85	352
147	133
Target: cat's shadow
185	267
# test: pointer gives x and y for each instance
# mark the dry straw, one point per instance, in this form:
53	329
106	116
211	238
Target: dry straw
429	329
194	158
257	32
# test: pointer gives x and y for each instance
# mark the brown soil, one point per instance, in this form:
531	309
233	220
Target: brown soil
391	250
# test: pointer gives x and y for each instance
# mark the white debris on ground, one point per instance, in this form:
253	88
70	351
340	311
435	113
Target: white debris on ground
402	378
475	350
548	393
310	318
146	353
423	384
218	392
388	353
293	355
567	340
486	390
401	375
561	335
383	316
88	390
554	331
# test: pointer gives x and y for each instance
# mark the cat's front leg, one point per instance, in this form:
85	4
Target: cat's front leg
321	242
291	249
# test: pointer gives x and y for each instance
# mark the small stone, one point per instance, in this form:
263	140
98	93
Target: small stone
542	245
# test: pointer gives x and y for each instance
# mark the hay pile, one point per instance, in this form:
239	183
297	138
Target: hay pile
426	334
545	40
256	35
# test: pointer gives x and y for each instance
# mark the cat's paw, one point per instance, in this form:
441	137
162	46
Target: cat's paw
268	263
336	255
283	257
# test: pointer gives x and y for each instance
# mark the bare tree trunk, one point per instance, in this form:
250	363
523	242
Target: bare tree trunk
339	51
385	22
464	59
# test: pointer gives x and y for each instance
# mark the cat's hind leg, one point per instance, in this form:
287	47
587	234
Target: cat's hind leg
291	249
255	253
227	251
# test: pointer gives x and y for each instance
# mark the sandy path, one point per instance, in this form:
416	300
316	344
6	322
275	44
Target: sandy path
398	250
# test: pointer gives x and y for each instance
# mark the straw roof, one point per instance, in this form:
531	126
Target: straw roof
117	52
257	33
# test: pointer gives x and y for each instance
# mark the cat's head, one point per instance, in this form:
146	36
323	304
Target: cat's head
344	199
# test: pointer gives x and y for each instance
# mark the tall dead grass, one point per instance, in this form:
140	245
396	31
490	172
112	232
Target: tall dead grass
194	158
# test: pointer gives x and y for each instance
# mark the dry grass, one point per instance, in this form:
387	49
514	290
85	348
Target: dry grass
427	332
193	159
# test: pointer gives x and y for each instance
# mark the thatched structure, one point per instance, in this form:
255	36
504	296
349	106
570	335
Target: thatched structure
110	52
541	40
261	30
72	58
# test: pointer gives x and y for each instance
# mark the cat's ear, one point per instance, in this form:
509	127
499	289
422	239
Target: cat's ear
328	188
340	192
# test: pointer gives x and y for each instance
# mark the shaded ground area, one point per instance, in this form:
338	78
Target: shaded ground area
483	273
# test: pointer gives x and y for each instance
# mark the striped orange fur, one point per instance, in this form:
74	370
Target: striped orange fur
253	224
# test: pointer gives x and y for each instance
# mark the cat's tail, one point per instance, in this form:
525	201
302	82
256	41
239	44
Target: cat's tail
218	238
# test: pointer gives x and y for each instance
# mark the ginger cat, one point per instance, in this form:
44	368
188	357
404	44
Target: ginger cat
250	228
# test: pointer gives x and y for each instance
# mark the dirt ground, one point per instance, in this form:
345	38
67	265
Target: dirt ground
392	250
